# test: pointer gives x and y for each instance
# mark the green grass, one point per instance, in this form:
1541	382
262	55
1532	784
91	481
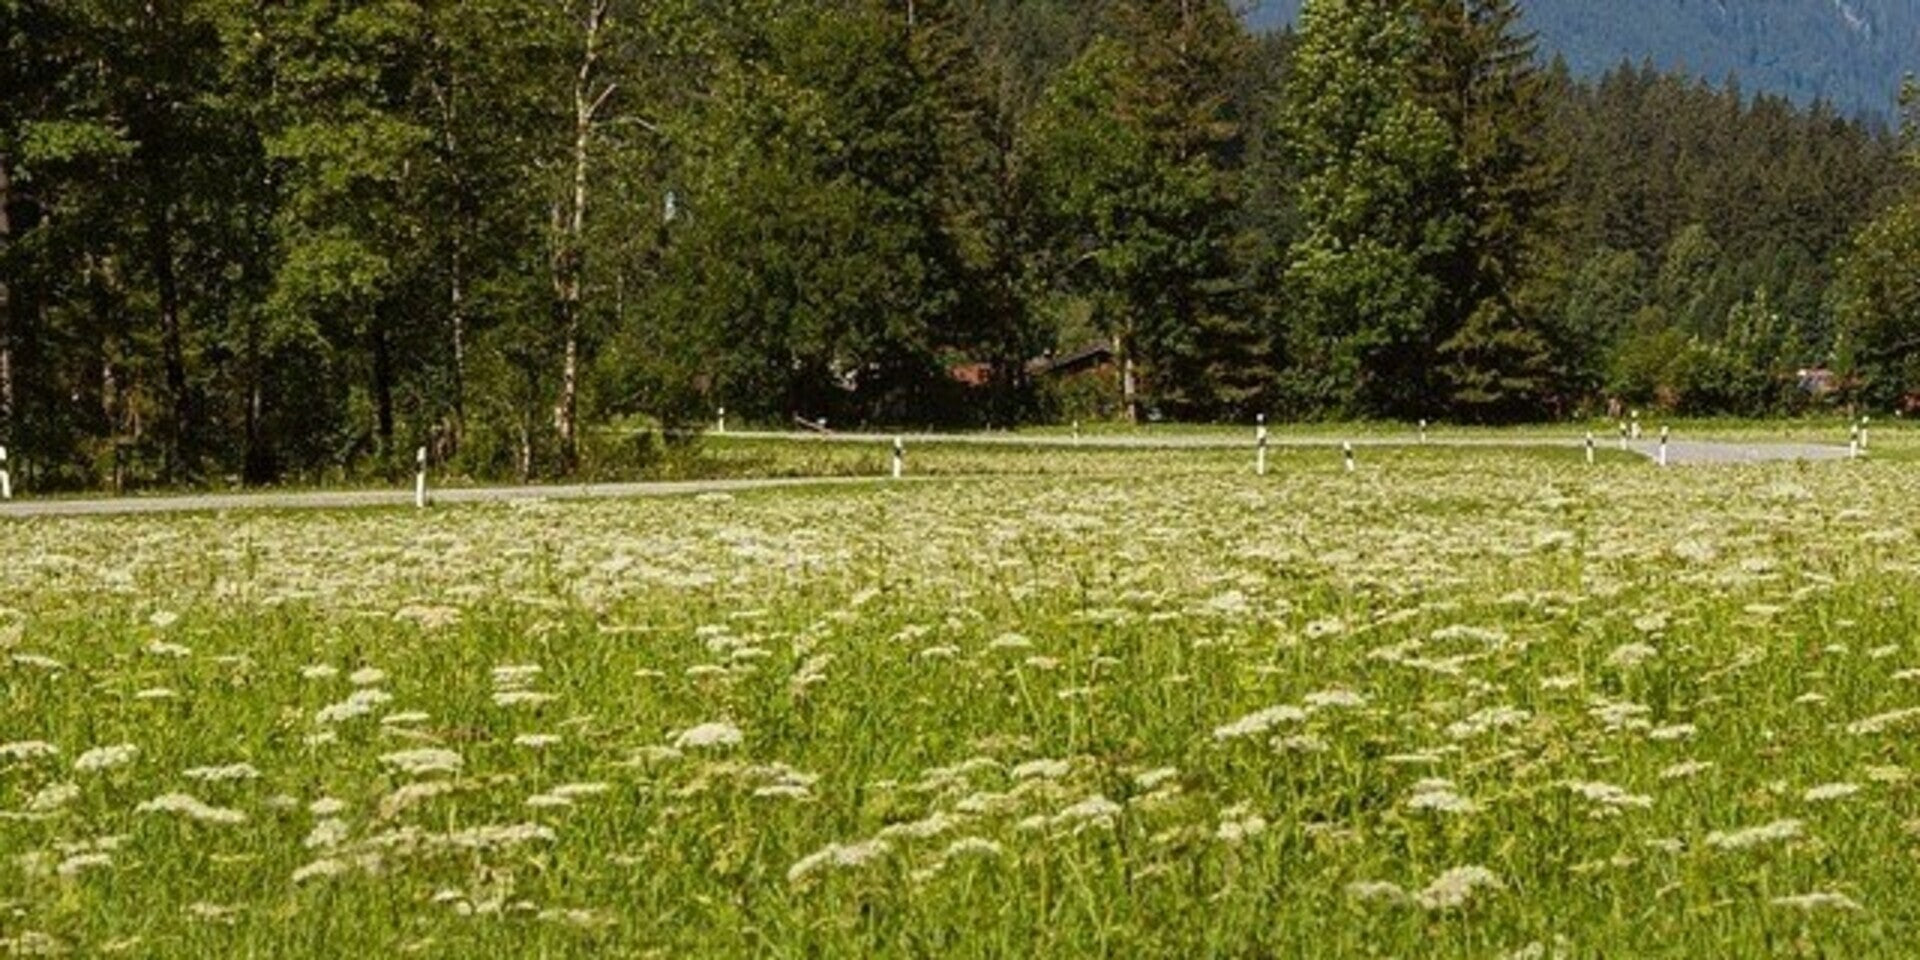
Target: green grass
1106	704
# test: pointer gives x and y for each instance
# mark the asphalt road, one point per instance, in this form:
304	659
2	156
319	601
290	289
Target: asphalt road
1679	453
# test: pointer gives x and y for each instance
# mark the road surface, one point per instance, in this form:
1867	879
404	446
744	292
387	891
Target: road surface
1679	453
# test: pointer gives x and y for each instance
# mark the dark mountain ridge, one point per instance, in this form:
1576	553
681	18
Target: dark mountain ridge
1850	53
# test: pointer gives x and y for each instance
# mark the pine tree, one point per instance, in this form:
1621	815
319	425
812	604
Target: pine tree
1482	78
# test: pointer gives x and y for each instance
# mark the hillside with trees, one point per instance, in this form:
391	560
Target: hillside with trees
1850	53
292	242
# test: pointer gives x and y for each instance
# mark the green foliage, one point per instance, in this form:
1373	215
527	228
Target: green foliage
1879	305
294	241
1373	160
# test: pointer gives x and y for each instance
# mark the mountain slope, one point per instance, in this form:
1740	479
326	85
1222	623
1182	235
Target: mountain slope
1849	52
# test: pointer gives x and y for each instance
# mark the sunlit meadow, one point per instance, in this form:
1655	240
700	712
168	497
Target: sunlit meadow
1477	704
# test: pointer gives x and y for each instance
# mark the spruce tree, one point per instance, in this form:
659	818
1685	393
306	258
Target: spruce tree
1482	78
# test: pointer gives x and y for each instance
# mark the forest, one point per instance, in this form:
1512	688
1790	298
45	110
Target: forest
293	241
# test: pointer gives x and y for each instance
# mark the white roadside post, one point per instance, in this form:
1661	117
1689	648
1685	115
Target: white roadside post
6	479
1663	446
899	457
1589	448
1260	441
1863	433
420	480
1076	431
1346	450
1423	432
1623	436
723	421
1636	424
1853	443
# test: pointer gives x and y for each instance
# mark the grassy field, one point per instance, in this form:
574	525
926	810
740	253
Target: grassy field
1459	703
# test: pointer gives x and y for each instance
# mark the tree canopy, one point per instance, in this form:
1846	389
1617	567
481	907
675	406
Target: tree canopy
295	241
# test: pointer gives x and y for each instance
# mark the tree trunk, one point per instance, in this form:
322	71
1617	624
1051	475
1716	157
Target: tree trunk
456	261
6	309
569	261
382	385
172	348
457	297
259	466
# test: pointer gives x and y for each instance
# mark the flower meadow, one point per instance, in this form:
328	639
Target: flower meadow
1473	704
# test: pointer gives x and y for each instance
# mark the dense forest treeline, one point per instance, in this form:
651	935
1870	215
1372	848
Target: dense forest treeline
279	241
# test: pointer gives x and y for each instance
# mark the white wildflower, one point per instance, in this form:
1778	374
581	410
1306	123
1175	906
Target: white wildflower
411	795
923	829
837	855
1880	723
1686	769
520	698
1618	716
191	807
1093	811
1818	900
1629	655
1152	779
515	675
1331	699
27	750
359	703
319	869
1774	832
1259	722
971	847
52	797
1371	891
424	761
1043	769
1454	888
1830	791
78	863
709	735
327	834
498	836
1609	797
106	758
1238	829
1010	641
161	648
236	771
537	741
1492	718
1440	796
